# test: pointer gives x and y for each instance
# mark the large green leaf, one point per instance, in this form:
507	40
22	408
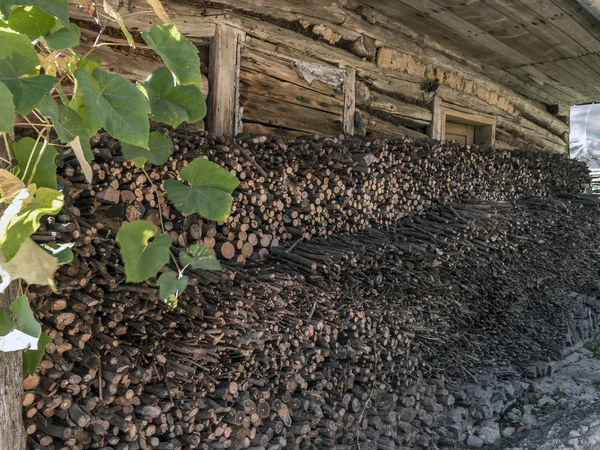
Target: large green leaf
32	358
171	286
27	153
113	103
173	104
179	54
26	331
56	8
7	111
209	191
25	319
200	257
22	217
68	124
159	150
31	20
19	71
63	38
6	323
31	264
143	259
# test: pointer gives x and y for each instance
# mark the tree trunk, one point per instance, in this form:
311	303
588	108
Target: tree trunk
12	431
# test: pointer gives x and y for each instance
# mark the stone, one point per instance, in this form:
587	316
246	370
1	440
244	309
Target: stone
490	433
528	419
508	432
546	401
474	442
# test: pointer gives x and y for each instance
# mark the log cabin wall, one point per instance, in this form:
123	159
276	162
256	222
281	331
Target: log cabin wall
285	40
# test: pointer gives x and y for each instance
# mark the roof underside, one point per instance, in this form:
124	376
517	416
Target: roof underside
554	45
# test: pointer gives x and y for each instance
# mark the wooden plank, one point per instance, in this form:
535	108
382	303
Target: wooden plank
274	112
580	70
258	128
286	71
523	17
349	101
564	77
410	114
266	85
497	24
436	129
468	30
556	8
463	115
555	15
222	99
379	127
562	92
436	31
137	68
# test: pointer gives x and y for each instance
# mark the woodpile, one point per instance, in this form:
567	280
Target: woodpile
315	187
344	341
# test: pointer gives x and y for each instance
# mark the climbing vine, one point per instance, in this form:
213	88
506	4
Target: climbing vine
65	97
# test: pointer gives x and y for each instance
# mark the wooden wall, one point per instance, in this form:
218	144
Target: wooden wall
284	40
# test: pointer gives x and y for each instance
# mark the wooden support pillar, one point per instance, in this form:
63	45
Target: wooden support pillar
223	75
436	129
349	101
12	431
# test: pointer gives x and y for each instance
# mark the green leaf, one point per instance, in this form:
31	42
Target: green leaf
64	38
170	285
61	251
32	358
200	257
56	8
178	53
209	191
27	330
7	112
6	323
117	17
19	71
173	104
31	20
26	321
23	215
31	263
68	124
27	153
113	103
160	150
143	259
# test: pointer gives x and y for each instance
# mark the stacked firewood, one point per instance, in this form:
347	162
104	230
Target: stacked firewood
314	187
350	341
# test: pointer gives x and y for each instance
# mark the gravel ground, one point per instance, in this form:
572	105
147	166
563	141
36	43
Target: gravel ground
561	412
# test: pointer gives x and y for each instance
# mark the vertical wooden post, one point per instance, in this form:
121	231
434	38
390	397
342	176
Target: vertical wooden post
349	101
12	431
436	129
223	77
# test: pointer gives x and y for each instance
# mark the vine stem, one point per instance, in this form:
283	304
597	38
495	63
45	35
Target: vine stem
37	162
7	146
162	224
37	141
